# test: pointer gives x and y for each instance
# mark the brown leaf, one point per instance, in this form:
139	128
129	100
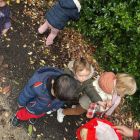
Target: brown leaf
6	89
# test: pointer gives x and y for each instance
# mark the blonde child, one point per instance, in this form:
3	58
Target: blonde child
58	16
4	17
111	89
106	90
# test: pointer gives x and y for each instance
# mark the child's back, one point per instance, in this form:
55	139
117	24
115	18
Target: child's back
47	90
62	12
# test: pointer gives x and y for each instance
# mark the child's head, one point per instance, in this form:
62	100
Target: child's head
2	3
2	0
65	87
82	69
125	84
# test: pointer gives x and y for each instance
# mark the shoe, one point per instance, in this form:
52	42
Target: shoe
43	28
49	42
15	121
73	106
32	121
60	115
49	112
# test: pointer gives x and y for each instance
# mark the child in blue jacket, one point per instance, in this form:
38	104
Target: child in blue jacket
58	16
47	90
4	17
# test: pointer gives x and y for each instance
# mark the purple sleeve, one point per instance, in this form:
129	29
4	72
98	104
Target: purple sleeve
7	25
7	18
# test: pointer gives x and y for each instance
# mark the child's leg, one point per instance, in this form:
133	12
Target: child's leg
43	27
51	36
24	115
84	102
61	113
74	111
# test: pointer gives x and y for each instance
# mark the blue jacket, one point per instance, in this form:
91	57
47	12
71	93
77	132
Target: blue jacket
36	95
62	12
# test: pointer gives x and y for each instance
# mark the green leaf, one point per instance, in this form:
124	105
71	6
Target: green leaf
30	129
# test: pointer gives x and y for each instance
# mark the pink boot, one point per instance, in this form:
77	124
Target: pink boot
52	35
48	42
43	27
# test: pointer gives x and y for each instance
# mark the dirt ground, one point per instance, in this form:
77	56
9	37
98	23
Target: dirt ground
23	51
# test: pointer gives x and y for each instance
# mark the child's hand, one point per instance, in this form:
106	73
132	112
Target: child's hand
109	103
104	105
93	108
124	130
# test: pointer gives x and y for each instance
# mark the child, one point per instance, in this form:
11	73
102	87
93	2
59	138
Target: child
83	72
109	87
4	17
58	16
47	90
112	87
98	129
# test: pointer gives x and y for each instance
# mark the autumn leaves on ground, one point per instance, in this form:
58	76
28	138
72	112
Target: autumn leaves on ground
21	53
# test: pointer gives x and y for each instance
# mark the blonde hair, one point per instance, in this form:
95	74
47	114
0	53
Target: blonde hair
81	64
125	84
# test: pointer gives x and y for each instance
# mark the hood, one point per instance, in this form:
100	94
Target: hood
102	94
70	66
70	4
